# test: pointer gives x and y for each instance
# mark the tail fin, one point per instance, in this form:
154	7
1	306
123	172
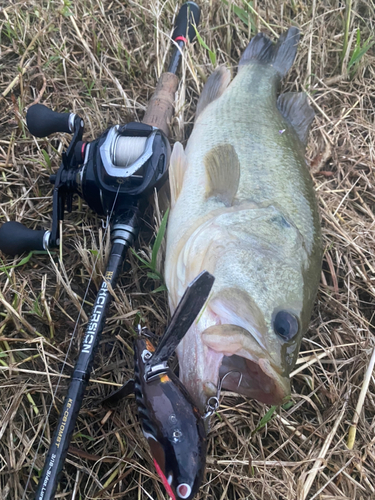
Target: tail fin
280	55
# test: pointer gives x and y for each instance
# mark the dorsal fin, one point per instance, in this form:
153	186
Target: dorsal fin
217	82
223	173
177	167
280	55
295	107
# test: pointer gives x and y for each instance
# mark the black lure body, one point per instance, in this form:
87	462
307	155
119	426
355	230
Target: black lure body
172	425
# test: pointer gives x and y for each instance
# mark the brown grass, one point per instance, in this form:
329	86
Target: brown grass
101	59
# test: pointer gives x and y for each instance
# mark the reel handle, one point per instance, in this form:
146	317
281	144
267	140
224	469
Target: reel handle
15	238
42	121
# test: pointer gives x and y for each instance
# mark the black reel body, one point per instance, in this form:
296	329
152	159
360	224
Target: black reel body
127	162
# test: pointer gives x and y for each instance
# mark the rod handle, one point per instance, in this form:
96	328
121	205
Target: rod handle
188	15
161	106
42	121
15	238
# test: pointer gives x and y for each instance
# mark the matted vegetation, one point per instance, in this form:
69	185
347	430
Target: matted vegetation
101	59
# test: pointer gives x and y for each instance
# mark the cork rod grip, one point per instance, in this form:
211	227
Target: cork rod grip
161	106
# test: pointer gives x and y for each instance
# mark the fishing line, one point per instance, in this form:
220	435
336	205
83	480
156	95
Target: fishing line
70	344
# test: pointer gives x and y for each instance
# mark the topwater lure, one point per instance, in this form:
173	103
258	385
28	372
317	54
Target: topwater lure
171	423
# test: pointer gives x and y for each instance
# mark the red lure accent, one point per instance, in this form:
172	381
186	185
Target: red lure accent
181	38
167	486
182	490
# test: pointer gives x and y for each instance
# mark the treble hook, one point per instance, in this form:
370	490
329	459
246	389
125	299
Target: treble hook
213	402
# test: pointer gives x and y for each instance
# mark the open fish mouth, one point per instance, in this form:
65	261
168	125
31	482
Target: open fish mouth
231	354
254	379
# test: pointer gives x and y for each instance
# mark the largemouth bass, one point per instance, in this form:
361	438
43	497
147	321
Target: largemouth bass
243	207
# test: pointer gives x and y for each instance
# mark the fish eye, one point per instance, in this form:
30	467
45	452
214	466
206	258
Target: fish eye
285	324
183	490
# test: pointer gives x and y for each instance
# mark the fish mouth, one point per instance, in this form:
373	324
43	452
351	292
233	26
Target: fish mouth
254	379
230	356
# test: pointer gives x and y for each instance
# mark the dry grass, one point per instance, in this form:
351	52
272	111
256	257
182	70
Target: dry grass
101	59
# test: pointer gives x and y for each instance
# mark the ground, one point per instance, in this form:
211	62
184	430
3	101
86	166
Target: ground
102	59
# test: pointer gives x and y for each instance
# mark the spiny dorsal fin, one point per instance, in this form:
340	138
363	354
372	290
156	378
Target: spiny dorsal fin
223	173
177	167
280	55
217	82
295	107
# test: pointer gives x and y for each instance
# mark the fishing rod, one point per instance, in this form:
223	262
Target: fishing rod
112	174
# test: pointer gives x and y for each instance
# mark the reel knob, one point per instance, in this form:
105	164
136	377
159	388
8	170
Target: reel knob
15	238
42	121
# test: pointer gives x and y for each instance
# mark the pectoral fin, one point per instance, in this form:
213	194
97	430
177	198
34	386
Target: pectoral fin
295	108
178	165
217	82
223	173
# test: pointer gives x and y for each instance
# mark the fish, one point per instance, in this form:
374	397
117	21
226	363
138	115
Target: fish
243	207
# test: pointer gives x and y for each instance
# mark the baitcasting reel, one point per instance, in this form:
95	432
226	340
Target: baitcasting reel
110	173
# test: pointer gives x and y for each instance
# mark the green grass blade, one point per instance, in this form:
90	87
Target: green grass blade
203	44
359	51
158	240
25	260
47	159
147	264
155	276
287	405
264	420
242	14
161	288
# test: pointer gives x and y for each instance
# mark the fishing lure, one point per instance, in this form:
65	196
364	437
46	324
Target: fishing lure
171	423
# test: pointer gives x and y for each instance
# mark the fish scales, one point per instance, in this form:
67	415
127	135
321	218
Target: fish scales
271	169
244	208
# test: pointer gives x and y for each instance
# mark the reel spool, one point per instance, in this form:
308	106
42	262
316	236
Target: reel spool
127	149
